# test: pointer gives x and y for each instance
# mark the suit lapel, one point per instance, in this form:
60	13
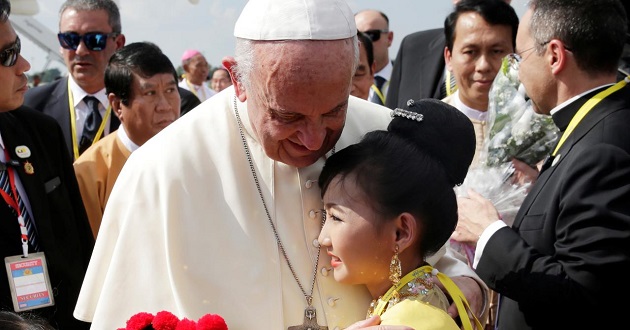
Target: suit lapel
432	76
612	103
543	177
59	108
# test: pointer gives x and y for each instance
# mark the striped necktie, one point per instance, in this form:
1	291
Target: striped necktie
5	184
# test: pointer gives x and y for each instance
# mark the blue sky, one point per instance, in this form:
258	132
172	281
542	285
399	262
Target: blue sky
176	25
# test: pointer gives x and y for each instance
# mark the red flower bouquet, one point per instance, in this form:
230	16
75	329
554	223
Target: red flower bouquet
167	321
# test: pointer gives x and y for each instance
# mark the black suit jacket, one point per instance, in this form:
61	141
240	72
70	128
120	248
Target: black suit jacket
418	68
63	229
52	100
564	264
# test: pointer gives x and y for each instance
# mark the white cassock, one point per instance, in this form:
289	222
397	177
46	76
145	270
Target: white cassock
185	230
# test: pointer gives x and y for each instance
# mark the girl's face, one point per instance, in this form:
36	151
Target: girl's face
359	243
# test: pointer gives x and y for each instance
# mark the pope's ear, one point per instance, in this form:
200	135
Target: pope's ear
230	63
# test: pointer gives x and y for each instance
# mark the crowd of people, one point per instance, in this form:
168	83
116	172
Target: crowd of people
296	196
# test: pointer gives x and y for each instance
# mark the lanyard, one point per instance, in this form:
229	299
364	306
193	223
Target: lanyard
586	108
378	93
73	123
450	88
13	202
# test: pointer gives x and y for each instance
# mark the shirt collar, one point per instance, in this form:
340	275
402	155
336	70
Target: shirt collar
468	111
571	100
126	141
78	93
193	84
386	72
564	112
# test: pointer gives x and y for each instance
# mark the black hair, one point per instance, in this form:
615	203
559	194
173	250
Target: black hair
399	171
142	58
594	31
5	10
494	12
23	321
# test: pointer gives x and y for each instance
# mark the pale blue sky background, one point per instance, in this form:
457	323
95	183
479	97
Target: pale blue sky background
176	25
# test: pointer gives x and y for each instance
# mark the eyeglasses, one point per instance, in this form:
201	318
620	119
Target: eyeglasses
9	56
375	35
515	59
96	41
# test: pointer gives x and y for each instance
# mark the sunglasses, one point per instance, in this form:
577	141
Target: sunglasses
375	35
9	56
96	41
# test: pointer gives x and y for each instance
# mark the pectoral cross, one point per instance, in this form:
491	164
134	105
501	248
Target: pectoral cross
310	321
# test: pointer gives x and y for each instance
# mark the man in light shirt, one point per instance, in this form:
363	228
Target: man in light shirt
220	80
196	70
141	85
90	31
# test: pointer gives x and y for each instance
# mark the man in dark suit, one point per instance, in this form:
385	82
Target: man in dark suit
418	68
624	63
90	32
418	71
564	262
375	24
45	215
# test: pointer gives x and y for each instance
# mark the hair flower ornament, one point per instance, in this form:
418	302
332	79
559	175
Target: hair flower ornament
168	321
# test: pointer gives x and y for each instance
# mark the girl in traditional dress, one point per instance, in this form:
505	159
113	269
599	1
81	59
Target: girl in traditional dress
389	204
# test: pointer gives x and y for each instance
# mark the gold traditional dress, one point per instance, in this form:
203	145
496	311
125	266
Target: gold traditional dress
421	304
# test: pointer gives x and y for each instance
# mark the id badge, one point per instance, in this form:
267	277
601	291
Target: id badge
29	282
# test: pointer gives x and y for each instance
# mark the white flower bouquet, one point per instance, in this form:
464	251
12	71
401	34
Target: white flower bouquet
516	132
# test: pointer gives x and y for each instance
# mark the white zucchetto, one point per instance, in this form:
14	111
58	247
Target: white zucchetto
295	20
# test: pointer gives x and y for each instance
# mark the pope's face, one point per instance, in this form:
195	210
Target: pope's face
359	244
297	104
478	49
13	81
